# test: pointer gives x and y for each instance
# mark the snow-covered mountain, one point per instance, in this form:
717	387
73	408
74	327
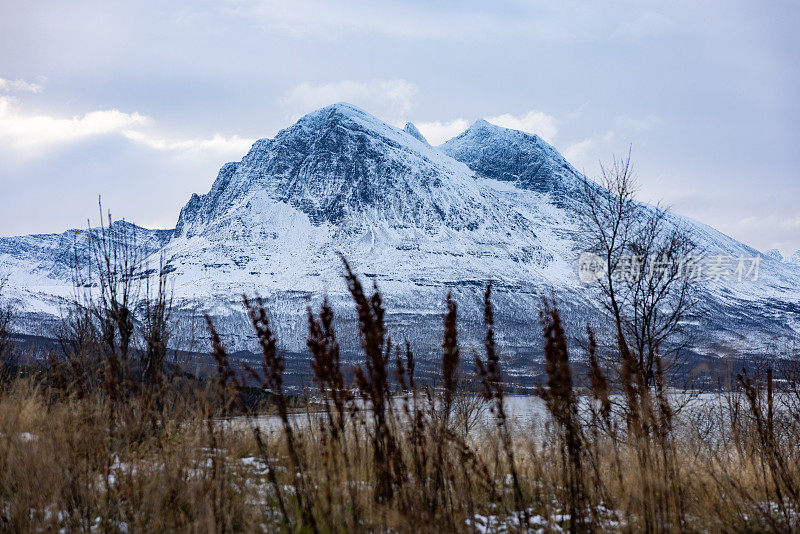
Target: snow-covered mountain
38	272
491	204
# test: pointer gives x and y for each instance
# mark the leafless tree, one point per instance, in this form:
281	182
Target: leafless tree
643	278
7	353
156	329
97	331
469	407
117	312
116	259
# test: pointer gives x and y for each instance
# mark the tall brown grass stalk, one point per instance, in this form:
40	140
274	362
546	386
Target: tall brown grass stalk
562	404
491	375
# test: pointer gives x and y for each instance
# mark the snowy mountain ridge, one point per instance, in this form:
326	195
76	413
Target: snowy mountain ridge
491	204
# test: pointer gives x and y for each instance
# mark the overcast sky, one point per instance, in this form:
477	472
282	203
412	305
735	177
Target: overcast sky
143	101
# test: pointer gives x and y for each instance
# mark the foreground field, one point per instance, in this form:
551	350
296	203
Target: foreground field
65	465
107	437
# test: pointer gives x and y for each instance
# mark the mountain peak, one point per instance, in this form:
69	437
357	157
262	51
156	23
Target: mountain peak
338	112
774	254
344	108
338	165
513	156
484	126
412	130
483	123
319	124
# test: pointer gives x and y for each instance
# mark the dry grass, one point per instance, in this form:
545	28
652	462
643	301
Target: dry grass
151	452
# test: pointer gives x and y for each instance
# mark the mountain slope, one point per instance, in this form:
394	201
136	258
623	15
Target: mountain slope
489	205
39	270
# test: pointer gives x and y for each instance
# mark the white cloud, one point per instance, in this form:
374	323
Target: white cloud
235	145
577	153
586	153
25	131
637	124
535	122
437	132
648	25
22	86
31	132
389	99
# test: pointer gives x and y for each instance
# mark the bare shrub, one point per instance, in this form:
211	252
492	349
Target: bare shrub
8	356
643	281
